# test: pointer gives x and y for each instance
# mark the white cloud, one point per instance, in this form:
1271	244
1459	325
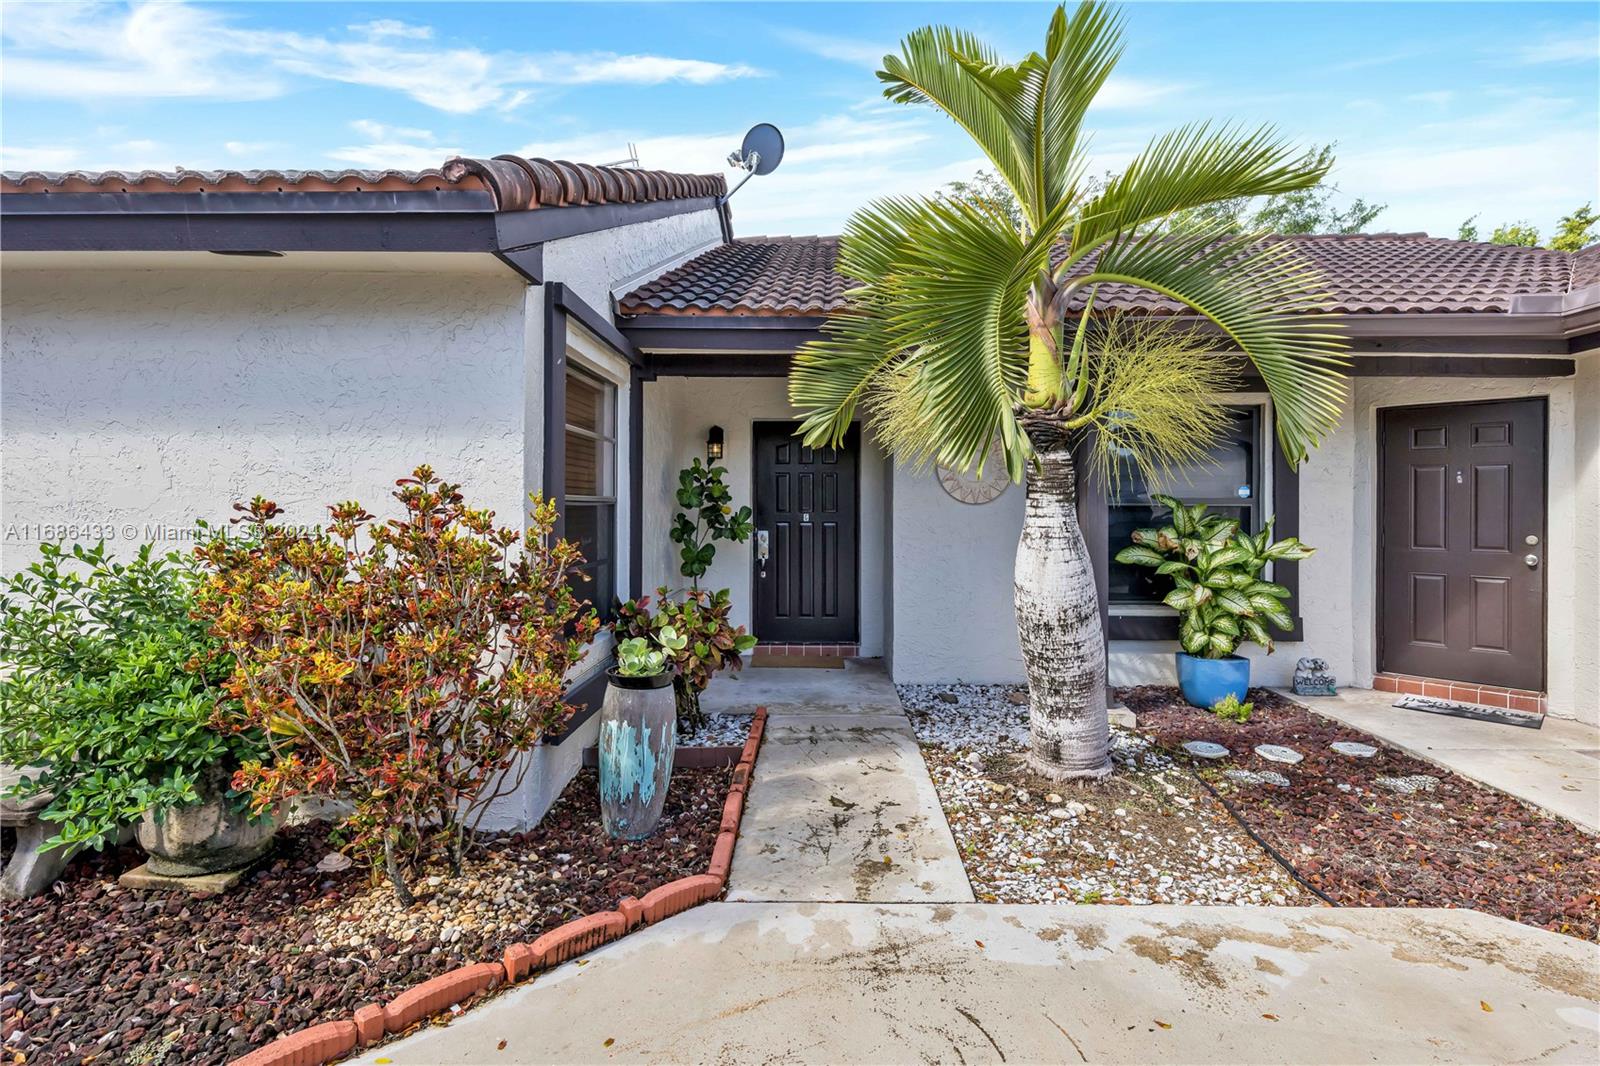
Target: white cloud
93	51
392	28
130	156
1126	93
1437	97
394	148
841	49
248	149
830	167
1575	44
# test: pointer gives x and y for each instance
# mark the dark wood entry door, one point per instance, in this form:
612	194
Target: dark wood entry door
805	511
1461	527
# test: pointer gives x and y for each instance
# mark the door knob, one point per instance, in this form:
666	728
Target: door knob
761	545
1531	560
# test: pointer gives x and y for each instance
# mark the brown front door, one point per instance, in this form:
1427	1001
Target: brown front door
805	552
1462	542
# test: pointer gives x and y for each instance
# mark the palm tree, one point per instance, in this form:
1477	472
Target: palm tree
964	328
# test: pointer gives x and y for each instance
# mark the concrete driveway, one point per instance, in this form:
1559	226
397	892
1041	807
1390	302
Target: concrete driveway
967	984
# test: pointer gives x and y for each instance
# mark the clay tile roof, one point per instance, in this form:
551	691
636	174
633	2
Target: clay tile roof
749	276
1586	267
516	184
1378	273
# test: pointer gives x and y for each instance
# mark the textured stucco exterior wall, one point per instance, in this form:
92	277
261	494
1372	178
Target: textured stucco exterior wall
678	411
952	579
951	563
145	397
1586	539
149	398
596	266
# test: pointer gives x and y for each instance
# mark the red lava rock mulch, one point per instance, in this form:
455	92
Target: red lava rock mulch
96	973
1460	845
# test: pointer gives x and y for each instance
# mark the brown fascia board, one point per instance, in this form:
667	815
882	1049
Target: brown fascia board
448	220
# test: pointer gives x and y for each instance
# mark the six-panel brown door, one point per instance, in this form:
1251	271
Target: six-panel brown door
805	513
1461	529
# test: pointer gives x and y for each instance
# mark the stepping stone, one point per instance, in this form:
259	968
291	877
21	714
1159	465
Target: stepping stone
1278	753
1204	749
1407	785
1353	749
1257	777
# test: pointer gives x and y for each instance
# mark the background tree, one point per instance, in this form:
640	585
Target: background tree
1520	234
965	327
1298	211
1574	231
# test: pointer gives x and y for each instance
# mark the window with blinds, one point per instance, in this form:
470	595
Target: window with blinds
1229	483
591	475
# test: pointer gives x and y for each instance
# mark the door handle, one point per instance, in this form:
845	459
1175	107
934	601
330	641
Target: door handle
1532	561
761	545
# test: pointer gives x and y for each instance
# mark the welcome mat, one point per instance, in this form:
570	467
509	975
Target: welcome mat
1476	711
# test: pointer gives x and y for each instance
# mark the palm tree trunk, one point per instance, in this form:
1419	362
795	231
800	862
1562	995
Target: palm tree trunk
1058	620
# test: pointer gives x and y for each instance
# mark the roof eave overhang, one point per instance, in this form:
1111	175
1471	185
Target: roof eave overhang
409	221
1543	340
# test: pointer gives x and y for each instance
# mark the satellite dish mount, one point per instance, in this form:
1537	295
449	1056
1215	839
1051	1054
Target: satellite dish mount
760	153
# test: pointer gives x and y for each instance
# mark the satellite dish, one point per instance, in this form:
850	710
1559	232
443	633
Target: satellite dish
762	148
760	153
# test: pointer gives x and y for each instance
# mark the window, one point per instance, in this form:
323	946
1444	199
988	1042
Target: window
1231	483
591	482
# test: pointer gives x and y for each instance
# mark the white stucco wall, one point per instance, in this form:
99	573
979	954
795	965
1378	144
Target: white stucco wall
678	412
951	563
951	576
1586	540
141	399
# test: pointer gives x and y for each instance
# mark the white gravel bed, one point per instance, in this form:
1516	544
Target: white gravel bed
1148	834
720	730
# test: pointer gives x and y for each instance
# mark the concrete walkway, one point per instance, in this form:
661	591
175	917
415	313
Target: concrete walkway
841	807
861	687
1556	767
847	983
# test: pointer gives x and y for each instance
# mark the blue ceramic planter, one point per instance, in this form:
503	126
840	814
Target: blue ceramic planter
1205	681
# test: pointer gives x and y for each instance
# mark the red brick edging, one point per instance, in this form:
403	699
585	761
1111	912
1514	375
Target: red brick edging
369	1024
1513	699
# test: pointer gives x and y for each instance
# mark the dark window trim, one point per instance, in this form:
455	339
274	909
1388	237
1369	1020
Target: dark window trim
560	304
1094	514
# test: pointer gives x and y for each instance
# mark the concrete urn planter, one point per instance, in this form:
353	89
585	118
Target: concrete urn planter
638	735
206	837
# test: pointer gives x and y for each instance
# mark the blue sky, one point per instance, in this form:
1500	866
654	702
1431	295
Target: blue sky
1439	110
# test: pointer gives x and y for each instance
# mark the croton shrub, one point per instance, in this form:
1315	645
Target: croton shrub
403	665
710	644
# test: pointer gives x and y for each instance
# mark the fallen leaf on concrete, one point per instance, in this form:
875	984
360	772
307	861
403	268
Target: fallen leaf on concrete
1485	1006
609	1041
1164	1025
500	1046
978	942
1270	1017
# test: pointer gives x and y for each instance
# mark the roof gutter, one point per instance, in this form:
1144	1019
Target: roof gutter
456	220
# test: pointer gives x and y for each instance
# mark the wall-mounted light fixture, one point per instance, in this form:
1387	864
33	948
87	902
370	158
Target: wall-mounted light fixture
714	444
